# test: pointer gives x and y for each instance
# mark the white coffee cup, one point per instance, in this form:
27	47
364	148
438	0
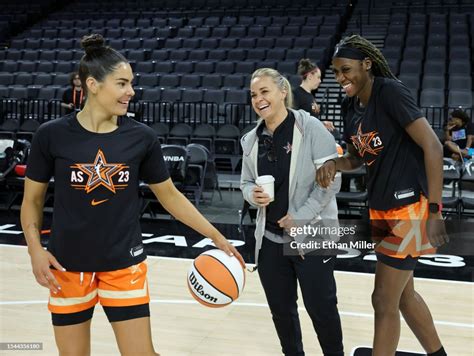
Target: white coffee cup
267	183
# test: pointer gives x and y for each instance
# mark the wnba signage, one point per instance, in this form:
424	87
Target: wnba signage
173	158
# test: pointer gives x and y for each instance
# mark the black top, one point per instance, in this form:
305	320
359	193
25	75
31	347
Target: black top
274	157
75	97
304	100
459	134
396	166
96	190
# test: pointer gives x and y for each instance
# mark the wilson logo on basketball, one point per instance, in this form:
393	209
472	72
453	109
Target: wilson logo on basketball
199	289
216	279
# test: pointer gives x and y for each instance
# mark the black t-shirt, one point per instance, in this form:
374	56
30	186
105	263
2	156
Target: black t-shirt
304	100
394	161
459	134
96	190
274	159
75	97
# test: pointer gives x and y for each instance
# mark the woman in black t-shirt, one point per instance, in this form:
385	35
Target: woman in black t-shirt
302	95
95	253
73	97
385	130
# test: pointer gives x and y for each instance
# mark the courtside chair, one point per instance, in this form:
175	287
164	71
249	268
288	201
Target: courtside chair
162	131
467	178
452	177
180	134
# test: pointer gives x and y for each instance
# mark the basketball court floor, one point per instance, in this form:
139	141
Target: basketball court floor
181	326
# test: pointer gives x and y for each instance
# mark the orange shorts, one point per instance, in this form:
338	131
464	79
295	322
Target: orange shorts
401	232
83	290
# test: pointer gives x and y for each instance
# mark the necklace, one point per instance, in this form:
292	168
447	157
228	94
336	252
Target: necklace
359	108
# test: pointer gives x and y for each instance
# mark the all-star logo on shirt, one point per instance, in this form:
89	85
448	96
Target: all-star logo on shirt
100	173
288	148
367	143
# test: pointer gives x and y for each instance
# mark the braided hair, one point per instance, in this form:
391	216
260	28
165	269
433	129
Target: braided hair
380	66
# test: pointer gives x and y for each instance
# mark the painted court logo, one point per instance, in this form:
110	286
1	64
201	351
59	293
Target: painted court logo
100	173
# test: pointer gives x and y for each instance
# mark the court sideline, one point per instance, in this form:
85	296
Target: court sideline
182	327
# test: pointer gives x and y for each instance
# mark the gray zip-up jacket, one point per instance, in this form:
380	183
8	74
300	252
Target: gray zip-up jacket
312	145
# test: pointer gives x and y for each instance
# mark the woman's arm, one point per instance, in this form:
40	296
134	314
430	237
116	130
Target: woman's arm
323	148
251	192
31	222
470	139
183	210
350	161
67	106
422	133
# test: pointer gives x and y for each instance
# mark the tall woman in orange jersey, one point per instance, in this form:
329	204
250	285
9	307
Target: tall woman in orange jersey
384	129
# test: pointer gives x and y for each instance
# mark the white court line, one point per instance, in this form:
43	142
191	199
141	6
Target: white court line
263	305
245	304
251	264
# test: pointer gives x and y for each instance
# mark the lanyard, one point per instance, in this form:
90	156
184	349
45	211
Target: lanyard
74	98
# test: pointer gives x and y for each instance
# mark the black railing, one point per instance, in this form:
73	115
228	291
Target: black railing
193	114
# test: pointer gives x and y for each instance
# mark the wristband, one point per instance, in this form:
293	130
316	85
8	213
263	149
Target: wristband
435	208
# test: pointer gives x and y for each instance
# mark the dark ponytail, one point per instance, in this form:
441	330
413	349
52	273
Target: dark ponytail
305	66
99	60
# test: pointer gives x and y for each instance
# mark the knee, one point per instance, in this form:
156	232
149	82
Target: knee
407	299
282	311
322	308
384	303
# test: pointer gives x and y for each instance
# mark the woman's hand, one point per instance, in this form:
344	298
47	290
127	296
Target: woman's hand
329	125
326	173
40	262
436	230
260	197
223	244
316	108
286	223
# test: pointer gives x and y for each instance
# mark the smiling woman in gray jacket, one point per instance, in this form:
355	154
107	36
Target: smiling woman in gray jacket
290	145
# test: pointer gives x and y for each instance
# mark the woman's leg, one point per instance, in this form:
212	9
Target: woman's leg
389	285
134	337
279	282
418	317
74	340
318	287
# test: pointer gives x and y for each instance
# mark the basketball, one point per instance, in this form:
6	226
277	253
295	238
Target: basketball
216	279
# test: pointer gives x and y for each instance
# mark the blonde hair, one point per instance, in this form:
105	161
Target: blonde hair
280	81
